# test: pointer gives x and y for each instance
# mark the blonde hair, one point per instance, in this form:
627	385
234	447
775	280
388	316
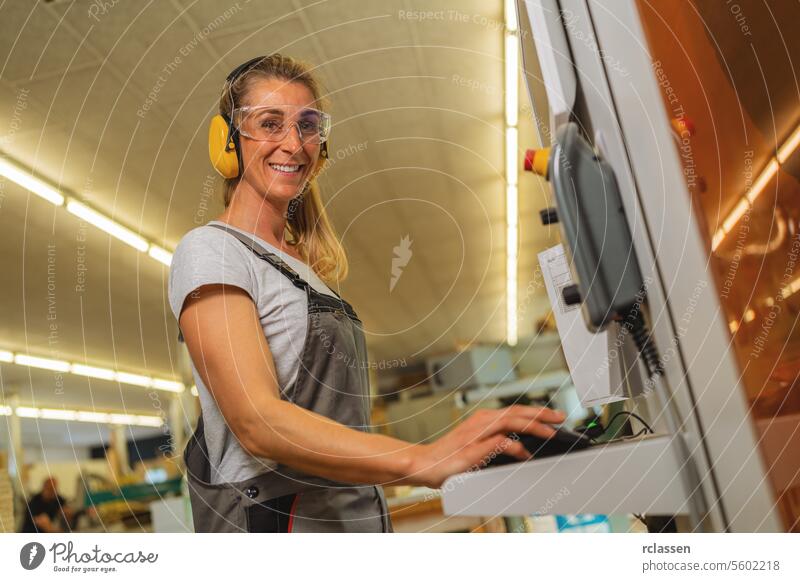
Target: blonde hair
307	224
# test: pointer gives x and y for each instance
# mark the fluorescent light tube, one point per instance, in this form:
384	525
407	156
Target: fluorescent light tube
512	79
134	379
512	167
104	223
510	13
92	372
169	385
44	363
161	255
27	181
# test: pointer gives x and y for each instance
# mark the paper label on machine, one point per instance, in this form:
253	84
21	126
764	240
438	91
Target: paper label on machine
596	376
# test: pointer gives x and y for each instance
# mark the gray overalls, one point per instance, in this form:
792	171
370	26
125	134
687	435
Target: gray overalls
332	381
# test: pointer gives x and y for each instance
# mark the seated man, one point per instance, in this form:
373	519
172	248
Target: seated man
47	511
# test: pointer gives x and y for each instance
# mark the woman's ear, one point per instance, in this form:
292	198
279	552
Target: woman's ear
322	161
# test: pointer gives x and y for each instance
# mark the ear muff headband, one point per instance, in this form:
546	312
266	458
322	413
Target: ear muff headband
223	139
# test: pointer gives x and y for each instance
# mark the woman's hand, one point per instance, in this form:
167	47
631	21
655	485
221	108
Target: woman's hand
479	439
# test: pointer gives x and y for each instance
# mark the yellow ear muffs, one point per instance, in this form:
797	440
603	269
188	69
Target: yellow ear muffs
221	148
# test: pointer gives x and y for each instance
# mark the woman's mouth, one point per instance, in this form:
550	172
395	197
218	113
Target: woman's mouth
287	169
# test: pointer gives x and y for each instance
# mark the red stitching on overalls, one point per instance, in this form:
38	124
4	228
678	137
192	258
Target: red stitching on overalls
291	513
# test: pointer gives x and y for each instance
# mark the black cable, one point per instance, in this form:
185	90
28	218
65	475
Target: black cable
628	413
635	323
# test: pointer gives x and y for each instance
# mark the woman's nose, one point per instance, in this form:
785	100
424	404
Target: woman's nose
292	140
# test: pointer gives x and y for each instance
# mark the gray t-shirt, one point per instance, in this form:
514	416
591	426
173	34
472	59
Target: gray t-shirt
206	256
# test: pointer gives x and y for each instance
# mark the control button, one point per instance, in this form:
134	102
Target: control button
549	216
536	161
571	295
251	492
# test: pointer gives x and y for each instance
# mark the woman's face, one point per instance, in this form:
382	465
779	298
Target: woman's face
278	169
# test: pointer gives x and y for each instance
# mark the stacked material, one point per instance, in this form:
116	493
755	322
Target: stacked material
6	503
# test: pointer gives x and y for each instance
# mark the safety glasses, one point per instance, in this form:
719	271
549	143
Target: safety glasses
273	122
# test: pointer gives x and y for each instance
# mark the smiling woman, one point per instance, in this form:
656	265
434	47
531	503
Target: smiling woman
280	360
267	98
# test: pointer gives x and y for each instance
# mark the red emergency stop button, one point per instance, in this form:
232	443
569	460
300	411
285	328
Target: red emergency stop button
536	161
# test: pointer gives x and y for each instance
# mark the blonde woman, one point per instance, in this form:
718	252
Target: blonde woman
283	442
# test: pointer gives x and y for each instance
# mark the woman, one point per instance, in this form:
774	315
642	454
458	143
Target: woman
283	443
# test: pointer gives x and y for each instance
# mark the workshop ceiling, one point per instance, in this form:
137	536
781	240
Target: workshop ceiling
89	101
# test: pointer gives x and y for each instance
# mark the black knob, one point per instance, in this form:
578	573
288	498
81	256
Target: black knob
571	295
549	216
251	492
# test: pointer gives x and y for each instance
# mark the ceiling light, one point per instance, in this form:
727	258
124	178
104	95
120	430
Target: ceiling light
58	414
788	147
755	190
34	185
92	372
27	412
512	166
84	416
104	223
161	255
791	288
91	416
154	421
44	363
511	79
134	379
510	12
511	92
168	385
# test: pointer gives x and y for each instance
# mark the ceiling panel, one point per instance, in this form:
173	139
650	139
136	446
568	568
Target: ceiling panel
34	44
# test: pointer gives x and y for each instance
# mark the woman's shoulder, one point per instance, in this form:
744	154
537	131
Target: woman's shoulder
208	241
204	256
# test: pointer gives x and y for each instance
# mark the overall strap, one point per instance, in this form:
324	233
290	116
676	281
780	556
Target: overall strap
268	256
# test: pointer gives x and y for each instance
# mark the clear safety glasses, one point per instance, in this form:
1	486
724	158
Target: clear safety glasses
273	122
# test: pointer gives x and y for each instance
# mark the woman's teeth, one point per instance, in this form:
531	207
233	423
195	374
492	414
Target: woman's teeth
286	169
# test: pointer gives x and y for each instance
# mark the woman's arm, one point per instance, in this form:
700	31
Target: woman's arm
222	330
